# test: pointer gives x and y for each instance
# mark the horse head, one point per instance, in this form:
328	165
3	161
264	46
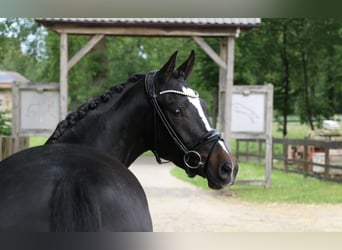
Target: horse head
179	113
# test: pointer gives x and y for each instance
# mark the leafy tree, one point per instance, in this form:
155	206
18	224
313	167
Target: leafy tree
22	47
318	70
300	57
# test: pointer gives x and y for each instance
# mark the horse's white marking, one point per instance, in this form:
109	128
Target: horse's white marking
195	101
197	104
221	143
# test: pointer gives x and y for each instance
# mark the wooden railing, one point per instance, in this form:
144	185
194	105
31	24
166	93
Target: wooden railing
7	145
297	155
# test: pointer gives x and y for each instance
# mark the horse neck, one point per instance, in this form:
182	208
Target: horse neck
121	127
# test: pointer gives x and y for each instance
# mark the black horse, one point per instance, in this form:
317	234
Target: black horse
79	180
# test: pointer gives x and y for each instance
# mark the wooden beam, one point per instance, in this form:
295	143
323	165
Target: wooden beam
210	52
63	76
145	31
222	86
78	56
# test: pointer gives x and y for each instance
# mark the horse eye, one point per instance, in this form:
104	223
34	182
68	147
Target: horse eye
177	112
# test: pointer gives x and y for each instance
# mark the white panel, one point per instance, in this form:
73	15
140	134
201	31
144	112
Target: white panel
39	110
248	113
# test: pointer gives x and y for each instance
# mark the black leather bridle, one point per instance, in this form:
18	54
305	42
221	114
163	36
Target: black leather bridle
192	159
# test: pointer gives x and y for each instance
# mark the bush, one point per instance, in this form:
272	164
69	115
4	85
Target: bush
5	123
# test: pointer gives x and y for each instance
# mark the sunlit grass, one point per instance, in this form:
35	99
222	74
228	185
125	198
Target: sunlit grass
285	187
37	140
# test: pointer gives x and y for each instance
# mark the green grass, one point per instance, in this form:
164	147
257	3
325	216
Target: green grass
37	140
294	131
285	188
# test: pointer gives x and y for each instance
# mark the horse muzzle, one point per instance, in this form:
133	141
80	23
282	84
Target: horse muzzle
227	172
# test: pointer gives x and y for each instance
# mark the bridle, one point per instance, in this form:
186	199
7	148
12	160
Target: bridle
192	159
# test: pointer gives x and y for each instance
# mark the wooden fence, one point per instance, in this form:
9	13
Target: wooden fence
7	145
256	152
318	158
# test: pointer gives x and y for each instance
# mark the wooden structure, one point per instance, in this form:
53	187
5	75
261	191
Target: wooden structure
225	29
297	156
327	165
7	80
9	145
35	109
252	116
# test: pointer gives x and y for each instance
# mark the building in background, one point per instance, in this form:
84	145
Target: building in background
7	79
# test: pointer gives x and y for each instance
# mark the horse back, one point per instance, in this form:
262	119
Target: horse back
65	187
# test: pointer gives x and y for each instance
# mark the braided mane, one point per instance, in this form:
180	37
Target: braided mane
74	117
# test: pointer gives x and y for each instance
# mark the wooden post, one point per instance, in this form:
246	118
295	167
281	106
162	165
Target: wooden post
222	87
285	149
269	139
272	163
229	89
259	150
226	87
15	116
305	158
63	76
326	161
247	150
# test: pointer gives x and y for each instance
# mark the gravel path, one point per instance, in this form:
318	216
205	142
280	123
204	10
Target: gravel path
177	206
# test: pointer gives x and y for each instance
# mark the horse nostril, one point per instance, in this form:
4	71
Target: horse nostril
225	171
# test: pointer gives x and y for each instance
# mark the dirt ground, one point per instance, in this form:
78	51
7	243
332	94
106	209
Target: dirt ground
177	206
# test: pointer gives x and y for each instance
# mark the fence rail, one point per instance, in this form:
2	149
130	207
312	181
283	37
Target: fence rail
318	158
250	153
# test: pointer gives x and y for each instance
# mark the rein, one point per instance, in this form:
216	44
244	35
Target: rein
192	159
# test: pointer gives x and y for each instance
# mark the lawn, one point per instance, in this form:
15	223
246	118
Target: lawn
285	188
37	140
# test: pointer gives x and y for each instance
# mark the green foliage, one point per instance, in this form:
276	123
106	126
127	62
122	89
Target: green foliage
22	48
301	57
5	123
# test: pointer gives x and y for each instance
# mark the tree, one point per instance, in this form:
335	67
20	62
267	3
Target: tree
302	58
319	69
22	45
264	57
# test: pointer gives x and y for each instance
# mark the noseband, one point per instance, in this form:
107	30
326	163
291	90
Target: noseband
192	159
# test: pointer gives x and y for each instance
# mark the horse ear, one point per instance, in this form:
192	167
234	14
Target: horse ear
166	71
188	65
